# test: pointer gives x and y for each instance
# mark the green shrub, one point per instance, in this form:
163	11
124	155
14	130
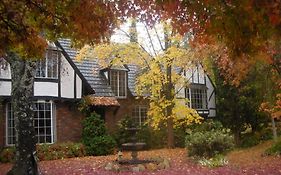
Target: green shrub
152	138
122	135
95	137
210	142
180	134
7	155
60	151
49	151
266	133
275	149
217	161
249	140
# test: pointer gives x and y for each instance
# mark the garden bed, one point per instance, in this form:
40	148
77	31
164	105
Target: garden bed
246	161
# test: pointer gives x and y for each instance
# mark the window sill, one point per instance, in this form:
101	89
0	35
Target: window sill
121	97
46	80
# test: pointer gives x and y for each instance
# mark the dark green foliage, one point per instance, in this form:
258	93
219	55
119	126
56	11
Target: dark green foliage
180	134
208	140
7	155
238	106
60	151
152	138
48	151
122	135
95	137
265	133
275	149
249	140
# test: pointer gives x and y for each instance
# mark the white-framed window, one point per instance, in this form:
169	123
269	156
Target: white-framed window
197	96
118	82
43	122
139	115
48	67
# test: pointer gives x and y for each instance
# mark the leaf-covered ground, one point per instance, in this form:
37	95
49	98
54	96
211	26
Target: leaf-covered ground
246	161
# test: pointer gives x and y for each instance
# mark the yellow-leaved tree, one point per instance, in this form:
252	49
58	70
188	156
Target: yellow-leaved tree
160	76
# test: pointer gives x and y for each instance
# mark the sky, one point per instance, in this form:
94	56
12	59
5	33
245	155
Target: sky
143	38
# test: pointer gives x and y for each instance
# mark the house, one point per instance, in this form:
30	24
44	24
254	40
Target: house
61	82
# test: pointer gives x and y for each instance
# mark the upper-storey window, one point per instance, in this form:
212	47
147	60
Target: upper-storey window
197	95
5	71
48	67
118	82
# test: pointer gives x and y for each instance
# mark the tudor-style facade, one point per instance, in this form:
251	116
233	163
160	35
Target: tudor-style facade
200	91
61	81
57	88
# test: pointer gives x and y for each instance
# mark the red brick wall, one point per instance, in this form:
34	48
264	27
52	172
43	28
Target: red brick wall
68	119
68	122
113	115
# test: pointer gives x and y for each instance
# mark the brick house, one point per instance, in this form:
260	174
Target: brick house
61	82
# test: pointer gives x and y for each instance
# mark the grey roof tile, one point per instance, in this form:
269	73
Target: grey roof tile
90	69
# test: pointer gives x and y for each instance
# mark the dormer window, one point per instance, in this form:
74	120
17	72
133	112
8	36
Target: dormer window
118	82
197	95
48	67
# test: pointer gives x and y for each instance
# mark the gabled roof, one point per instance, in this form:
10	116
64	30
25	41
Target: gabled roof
91	71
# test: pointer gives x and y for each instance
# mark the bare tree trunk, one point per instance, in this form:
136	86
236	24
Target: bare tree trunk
169	110
237	137
23	72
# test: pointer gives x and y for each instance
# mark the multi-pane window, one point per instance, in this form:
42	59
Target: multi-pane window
139	115
118	82
48	67
11	132
43	123
197	96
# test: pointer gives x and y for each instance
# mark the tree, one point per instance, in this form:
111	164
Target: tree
25	27
238	106
160	71
240	32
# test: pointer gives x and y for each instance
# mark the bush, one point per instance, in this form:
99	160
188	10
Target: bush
95	138
275	149
60	151
208	140
122	135
266	134
48	151
217	161
249	140
152	138
7	155
180	134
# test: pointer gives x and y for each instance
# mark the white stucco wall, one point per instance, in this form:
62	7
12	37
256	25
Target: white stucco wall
67	79
5	72
78	87
5	88
212	101
46	89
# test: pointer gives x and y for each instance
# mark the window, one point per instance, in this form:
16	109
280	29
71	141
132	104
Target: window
197	95
139	115
43	123
118	82
48	67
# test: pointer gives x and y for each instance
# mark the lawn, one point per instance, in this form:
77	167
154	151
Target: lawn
245	161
